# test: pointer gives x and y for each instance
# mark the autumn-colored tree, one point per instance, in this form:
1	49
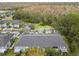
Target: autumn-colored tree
35	52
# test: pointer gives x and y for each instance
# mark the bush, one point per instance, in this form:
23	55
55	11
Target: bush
52	52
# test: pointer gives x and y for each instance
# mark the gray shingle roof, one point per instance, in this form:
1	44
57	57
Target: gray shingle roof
41	41
4	39
12	21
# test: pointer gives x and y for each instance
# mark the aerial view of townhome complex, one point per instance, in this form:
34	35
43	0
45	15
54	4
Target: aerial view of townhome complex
39	29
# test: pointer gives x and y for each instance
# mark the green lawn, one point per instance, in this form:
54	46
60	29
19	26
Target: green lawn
39	26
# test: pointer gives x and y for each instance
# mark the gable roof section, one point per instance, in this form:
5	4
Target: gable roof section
4	39
42	41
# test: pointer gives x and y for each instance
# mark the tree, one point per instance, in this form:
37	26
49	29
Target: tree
9	52
73	47
69	27
44	18
35	52
52	52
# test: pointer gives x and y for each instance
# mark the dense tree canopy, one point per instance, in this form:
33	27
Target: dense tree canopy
69	26
45	19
